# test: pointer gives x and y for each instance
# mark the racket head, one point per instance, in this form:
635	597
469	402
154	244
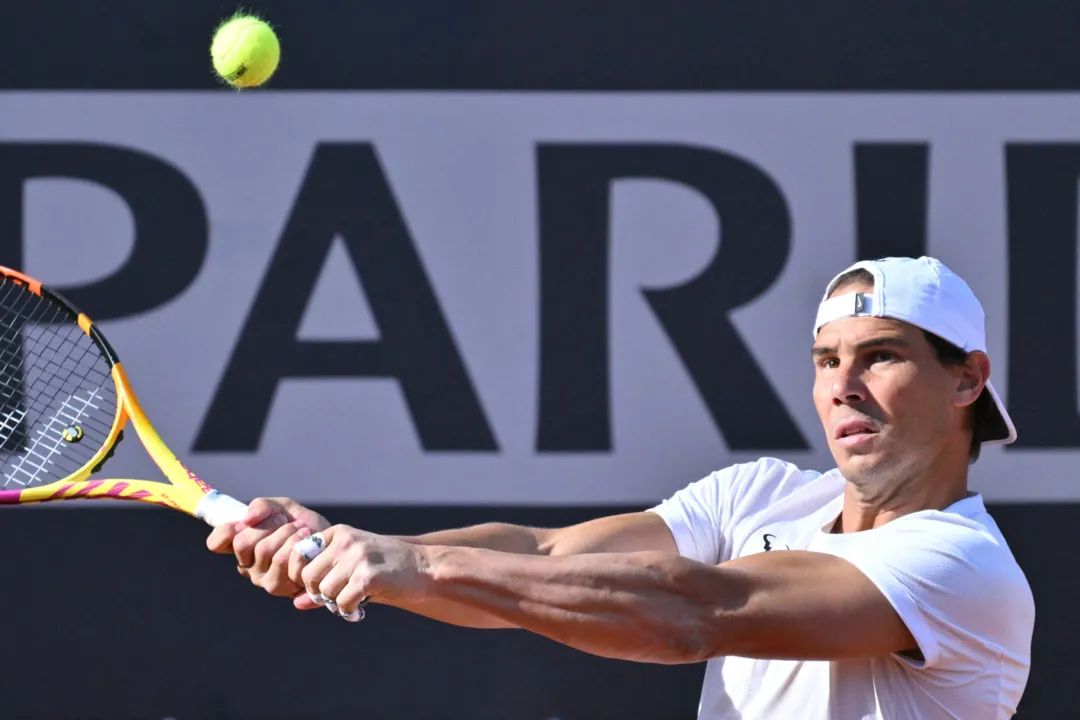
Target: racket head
65	401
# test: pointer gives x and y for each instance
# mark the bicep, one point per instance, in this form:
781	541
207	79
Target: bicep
625	533
807	606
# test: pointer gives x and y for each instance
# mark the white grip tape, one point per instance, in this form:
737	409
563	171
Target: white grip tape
310	547
217	509
355	616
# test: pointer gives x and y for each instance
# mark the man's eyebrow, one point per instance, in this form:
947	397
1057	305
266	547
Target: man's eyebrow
886	341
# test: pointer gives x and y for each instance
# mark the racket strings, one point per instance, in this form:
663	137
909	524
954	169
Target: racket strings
57	397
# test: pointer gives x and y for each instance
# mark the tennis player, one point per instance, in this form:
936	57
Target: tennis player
879	589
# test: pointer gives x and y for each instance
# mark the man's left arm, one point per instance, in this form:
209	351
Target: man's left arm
646	607
666	609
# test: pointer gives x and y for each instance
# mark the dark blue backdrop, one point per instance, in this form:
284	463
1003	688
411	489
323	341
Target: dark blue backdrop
166	629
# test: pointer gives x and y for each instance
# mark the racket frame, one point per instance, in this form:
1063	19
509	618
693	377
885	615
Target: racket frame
187	492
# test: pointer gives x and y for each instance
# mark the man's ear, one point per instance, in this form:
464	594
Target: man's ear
972	378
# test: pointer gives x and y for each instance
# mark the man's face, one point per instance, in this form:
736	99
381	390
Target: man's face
888	406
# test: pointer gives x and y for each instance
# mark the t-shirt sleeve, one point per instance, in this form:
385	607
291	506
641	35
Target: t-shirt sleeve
698	516
952	587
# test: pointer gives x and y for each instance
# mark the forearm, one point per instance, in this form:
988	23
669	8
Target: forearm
490	536
613	534
647	607
452	613
630	532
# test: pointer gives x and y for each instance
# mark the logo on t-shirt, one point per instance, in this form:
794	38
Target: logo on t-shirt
772	542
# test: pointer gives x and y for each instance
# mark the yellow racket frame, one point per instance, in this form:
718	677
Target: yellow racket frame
186	492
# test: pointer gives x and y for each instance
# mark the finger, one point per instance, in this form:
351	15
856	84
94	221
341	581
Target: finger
355	616
334	582
352	596
299	560
283	557
293	508
276	580
245	541
327	536
334	531
220	539
306	551
313	572
260	509
303	601
267	548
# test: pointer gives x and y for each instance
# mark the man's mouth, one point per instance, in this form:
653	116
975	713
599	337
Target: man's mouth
852	432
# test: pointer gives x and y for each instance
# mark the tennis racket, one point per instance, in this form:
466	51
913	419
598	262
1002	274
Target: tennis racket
65	401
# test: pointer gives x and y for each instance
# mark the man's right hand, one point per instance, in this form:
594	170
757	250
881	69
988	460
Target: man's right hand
263	540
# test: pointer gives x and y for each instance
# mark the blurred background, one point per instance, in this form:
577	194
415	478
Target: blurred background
476	261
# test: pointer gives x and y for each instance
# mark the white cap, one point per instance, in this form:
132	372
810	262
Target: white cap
928	295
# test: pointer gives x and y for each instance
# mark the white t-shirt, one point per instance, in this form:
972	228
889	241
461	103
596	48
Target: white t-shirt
949	574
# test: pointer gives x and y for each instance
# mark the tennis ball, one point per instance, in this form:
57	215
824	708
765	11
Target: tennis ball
245	51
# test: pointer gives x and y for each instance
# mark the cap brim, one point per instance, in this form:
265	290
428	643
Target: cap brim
1000	431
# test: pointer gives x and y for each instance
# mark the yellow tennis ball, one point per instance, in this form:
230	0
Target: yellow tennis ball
245	51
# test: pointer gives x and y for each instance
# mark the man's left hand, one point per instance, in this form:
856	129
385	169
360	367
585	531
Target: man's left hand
355	565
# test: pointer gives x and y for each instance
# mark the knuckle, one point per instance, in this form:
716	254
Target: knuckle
243	543
260	548
342	536
262	557
267	548
277	585
264	553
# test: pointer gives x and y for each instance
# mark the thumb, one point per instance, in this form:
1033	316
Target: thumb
303	601
305	516
259	510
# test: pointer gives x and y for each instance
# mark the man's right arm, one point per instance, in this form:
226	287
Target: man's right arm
625	533
262	548
630	532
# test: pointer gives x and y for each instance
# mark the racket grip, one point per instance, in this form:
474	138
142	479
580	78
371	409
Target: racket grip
217	509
